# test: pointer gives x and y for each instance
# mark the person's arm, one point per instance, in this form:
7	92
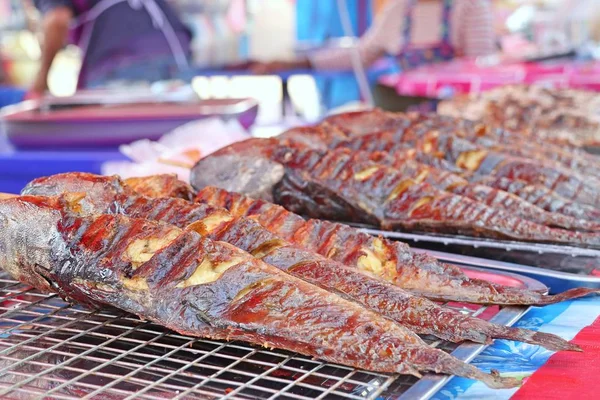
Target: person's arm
384	36
476	20
55	26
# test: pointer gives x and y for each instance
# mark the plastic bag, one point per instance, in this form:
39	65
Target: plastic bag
177	151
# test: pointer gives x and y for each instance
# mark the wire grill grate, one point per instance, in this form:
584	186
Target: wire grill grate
52	350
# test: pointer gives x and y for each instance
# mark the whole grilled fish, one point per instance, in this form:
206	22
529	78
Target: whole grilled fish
335	185
203	288
390	260
108	194
491	197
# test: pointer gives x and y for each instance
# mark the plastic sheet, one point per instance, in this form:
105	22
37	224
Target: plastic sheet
177	151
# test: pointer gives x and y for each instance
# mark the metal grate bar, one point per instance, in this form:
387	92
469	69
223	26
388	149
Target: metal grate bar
161	380
83	384
102	374
212	376
138	369
40	393
160	372
307	373
14	347
336	385
50	349
106	363
36	319
231	394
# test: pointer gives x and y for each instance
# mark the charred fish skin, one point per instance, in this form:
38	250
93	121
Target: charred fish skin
541	197
419	315
474	159
390	260
160	273
502	141
396	202
492	197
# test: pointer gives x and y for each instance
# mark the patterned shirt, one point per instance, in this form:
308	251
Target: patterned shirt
471	32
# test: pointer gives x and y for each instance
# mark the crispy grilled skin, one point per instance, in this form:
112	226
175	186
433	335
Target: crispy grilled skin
502	141
203	288
166	183
334	186
390	260
418	314
374	192
406	129
541	197
487	195
477	160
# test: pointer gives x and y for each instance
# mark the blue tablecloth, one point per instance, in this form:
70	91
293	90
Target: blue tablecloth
19	167
520	360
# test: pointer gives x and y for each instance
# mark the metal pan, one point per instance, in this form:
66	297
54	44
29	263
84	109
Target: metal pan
89	124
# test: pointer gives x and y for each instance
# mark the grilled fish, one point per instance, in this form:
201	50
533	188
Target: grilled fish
480	161
334	185
108	194
390	260
203	288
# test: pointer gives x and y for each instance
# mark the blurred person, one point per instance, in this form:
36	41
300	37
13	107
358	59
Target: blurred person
416	32
130	40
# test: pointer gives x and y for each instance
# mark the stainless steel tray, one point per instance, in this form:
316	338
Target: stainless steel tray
83	123
52	350
576	262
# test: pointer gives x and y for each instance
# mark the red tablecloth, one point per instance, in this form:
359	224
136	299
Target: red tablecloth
466	76
568	375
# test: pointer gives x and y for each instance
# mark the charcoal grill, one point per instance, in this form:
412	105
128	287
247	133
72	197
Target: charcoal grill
53	350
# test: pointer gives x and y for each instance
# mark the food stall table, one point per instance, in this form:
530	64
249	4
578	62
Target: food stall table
548	375
467	77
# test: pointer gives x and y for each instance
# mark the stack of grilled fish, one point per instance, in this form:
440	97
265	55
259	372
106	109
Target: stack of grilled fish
425	173
565	116
229	267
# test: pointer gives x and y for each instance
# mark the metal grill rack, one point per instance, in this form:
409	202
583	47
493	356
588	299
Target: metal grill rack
52	350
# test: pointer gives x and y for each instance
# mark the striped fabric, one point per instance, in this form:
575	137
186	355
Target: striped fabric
545	373
472	32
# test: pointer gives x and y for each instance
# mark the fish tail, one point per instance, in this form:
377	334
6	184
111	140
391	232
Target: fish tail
567	295
440	362
546	340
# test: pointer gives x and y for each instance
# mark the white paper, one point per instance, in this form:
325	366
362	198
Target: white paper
177	151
